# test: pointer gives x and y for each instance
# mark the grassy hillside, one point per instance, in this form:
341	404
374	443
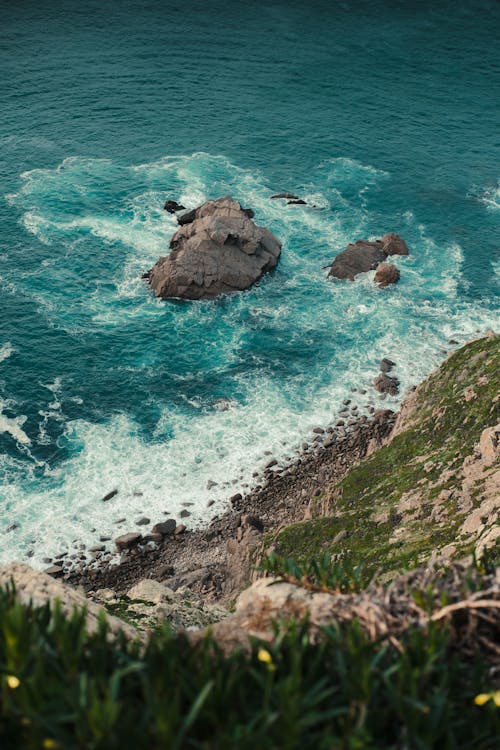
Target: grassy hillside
381	514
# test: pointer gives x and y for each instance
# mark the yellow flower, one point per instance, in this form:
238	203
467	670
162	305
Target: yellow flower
13	682
50	744
483	698
265	656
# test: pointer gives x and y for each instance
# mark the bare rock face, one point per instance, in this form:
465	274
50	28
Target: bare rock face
363	256
217	250
386	274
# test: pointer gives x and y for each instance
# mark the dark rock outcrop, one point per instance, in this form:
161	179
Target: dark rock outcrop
386	384
217	250
127	541
172	207
386	364
363	256
386	274
288	196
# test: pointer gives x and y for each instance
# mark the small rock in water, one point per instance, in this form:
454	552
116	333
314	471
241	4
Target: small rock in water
386	274
109	495
180	529
386	384
12	527
97	548
318	430
386	365
184	513
236	498
120	520
211	484
271	463
143	521
172	206
47	560
210	503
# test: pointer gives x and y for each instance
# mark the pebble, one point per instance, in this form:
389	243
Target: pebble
109	495
184	513
144	521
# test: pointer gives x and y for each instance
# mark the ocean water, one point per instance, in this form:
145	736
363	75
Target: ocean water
383	115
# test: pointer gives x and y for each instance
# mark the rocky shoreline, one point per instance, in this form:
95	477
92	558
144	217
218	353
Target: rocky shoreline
215	562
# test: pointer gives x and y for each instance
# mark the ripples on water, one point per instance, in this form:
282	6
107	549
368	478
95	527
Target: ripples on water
383	121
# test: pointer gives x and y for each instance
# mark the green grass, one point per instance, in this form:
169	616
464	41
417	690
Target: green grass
445	430
62	688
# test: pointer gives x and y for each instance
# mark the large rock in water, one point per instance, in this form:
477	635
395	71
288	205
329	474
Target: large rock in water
219	250
363	256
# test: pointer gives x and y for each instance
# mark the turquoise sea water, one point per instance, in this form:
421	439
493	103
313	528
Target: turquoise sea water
384	115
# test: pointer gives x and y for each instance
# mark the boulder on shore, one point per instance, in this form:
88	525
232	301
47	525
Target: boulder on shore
217	251
364	255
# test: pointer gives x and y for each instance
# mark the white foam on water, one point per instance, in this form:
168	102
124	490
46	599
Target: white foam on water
13	426
491	197
410	323
6	350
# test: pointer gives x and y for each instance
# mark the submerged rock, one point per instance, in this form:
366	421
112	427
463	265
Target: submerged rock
288	196
363	256
217	250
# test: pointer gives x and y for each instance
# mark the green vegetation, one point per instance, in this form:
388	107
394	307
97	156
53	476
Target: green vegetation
62	688
424	460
